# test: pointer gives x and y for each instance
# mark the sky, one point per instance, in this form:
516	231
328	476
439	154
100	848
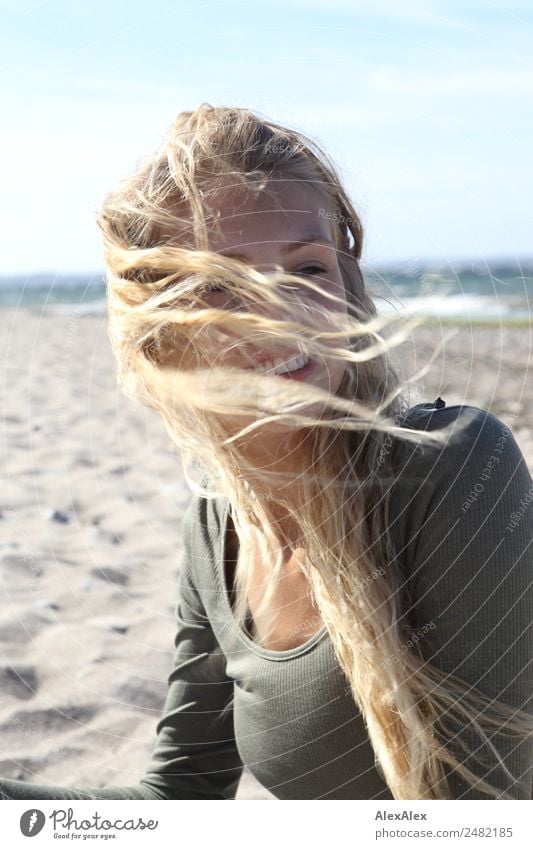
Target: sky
425	107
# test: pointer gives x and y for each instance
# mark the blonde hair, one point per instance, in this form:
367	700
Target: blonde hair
156	226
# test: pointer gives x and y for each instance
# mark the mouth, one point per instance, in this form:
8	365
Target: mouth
293	368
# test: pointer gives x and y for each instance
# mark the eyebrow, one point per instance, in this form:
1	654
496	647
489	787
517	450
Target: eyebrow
312	238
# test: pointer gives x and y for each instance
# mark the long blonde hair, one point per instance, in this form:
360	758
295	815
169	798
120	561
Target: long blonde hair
156	226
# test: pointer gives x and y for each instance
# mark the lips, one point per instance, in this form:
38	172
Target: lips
262	357
299	374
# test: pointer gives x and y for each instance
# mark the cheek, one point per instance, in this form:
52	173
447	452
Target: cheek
333	298
332	316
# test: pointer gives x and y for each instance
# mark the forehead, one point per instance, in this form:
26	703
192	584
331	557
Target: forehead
293	214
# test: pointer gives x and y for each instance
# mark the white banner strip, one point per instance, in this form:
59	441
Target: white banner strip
190	824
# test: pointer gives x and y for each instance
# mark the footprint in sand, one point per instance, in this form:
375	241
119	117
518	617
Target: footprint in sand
141	693
111	574
35	726
25	768
19	681
24	627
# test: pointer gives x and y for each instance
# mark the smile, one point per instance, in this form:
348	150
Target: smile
295	368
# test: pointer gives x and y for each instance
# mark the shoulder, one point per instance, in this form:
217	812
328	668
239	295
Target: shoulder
474	421
202	524
478	469
201	540
471	436
460	495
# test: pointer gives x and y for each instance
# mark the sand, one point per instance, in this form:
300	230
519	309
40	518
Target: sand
90	516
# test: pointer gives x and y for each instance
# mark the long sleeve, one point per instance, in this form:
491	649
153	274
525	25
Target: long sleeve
468	527
195	755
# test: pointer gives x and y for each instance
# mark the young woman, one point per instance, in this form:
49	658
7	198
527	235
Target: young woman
355	600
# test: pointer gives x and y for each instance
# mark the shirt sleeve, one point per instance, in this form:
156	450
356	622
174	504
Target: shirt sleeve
195	754
466	523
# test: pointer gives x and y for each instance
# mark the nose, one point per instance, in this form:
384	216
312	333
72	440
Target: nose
262	347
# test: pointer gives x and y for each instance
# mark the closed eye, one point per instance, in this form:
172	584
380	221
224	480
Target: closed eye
310	270
207	290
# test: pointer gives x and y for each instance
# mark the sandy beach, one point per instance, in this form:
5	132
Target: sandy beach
90	546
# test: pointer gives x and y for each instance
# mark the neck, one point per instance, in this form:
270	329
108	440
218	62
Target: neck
282	524
280	456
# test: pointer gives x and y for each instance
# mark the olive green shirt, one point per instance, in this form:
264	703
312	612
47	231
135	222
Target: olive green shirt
461	524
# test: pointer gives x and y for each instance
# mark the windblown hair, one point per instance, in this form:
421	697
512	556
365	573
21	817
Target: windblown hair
157	226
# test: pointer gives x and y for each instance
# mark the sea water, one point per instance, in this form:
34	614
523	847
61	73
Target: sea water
466	291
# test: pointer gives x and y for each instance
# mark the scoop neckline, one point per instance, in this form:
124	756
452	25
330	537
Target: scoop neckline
270	654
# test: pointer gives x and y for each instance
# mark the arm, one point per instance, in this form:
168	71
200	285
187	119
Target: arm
195	755
469	561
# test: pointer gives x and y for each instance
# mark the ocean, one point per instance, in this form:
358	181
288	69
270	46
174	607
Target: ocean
465	291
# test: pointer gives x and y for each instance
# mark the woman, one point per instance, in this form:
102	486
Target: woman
354	607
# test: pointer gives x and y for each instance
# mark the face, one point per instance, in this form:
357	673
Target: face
298	237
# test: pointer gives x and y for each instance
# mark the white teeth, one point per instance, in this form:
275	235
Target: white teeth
281	366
